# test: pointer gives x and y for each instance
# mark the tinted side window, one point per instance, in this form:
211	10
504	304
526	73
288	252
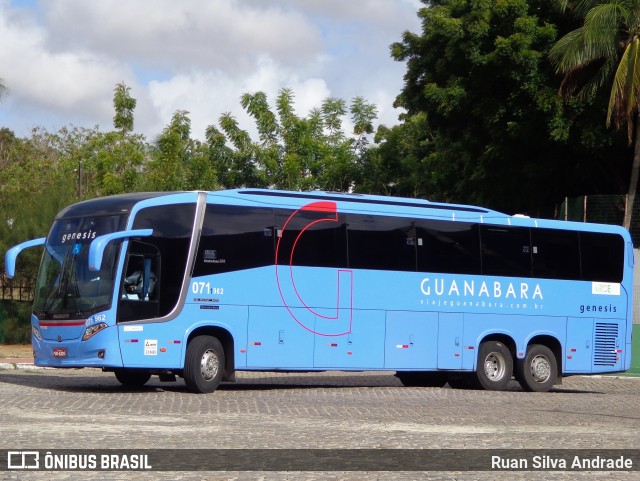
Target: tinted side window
448	247
235	238
172	226
556	254
315	238
384	243
506	251
602	257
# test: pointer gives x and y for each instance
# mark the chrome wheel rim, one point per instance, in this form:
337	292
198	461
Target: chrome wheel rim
494	366
540	369
209	365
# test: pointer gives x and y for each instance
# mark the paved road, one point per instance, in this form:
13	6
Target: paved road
55	409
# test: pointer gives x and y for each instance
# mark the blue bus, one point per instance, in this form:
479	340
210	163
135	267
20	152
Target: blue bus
200	285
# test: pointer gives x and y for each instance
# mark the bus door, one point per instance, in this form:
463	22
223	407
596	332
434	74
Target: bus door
154	273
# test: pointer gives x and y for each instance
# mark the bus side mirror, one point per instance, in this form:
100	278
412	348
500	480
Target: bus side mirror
98	245
12	254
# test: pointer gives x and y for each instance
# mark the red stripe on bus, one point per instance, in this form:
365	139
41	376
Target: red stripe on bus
62	324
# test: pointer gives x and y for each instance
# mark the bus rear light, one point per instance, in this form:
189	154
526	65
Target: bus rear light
93	330
177	342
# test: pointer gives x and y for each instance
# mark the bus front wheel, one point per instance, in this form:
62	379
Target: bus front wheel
538	371
495	366
204	364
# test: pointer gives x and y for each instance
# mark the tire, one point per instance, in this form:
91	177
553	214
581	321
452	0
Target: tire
495	366
538	371
132	377
422	378
204	364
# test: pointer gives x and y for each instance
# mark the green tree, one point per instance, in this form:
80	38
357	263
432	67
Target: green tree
172	151
124	106
292	152
497	133
116	158
4	90
178	161
605	50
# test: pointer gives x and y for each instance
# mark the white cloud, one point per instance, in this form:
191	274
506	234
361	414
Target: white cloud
65	82
207	95
204	34
62	61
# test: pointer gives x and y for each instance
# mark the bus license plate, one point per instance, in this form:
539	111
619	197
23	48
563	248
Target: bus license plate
59	352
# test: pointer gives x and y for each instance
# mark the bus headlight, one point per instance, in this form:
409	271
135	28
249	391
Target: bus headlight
36	333
93	330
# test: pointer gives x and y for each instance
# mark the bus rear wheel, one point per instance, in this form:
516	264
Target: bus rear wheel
495	366
204	364
132	377
422	378
538	371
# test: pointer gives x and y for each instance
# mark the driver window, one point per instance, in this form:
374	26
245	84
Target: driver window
139	295
140	279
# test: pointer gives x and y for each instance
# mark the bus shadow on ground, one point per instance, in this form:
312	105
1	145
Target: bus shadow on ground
92	384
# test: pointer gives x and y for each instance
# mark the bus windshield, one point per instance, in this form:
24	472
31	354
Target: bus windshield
66	288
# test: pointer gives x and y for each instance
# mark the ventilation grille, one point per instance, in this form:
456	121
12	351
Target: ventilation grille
605	346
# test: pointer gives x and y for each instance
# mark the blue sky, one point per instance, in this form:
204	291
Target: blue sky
62	58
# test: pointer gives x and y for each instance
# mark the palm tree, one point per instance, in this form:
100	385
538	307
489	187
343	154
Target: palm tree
606	50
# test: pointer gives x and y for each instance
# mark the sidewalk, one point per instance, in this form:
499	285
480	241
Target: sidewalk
17	363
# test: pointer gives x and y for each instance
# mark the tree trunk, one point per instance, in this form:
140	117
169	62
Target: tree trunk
633	182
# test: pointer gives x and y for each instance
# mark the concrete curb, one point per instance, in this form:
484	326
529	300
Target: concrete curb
9	366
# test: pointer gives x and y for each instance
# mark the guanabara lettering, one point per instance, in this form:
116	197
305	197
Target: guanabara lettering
472	288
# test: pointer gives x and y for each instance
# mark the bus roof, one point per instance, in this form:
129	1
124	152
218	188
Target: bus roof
363	203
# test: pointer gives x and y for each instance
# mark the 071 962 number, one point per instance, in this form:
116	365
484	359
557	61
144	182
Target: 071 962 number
205	288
